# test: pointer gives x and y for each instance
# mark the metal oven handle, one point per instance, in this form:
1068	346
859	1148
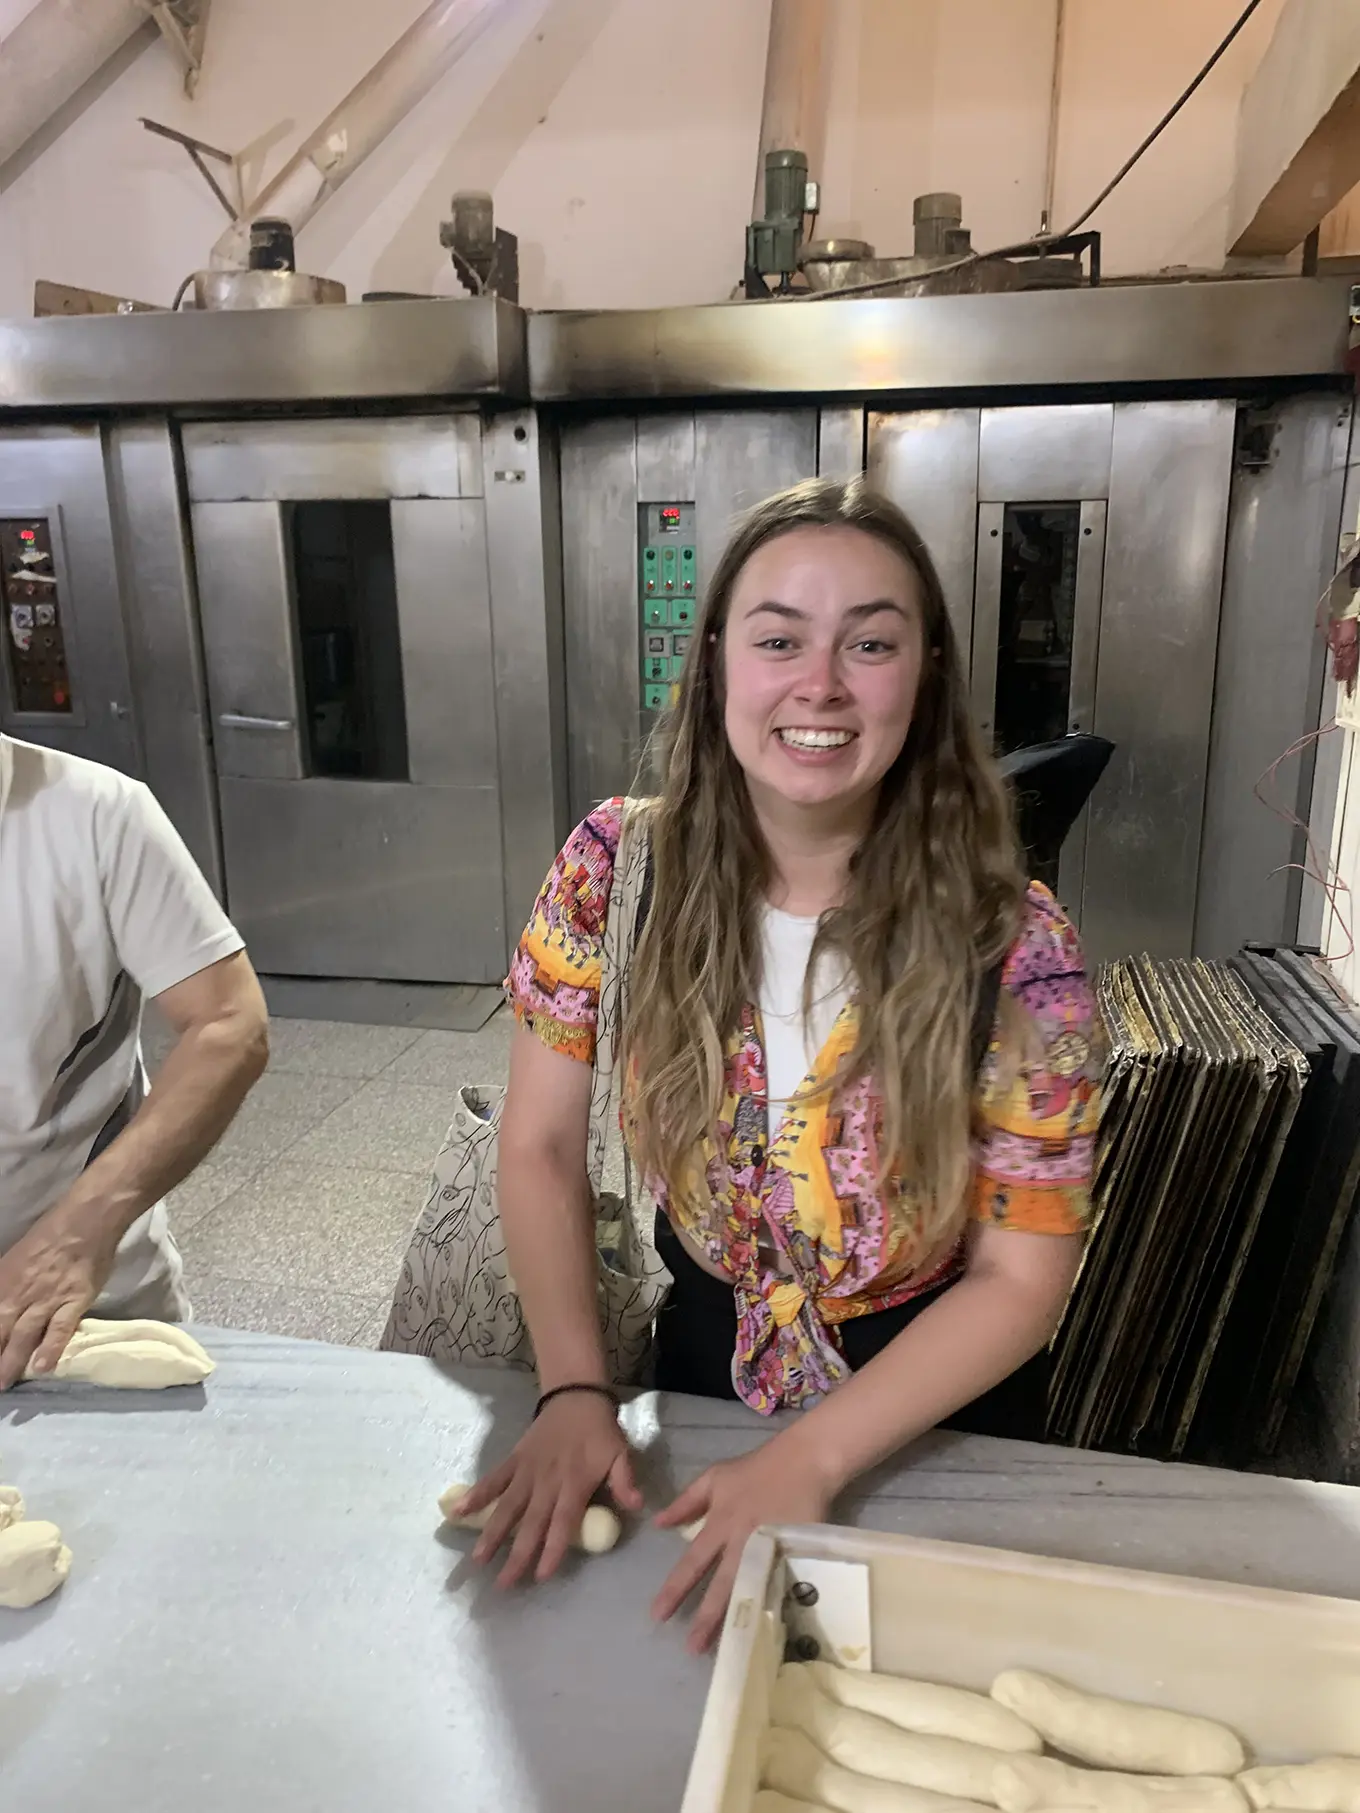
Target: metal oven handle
233	720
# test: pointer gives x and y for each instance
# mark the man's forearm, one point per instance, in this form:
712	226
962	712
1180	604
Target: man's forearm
971	1338
196	1096
547	1217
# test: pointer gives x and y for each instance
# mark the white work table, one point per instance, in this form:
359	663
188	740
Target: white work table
261	1617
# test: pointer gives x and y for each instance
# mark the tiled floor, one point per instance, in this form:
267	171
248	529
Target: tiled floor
298	1222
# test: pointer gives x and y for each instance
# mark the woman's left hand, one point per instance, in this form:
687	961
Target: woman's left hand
775	1484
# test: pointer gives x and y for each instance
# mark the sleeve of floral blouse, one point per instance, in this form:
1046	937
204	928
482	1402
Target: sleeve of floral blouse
1034	1155
554	981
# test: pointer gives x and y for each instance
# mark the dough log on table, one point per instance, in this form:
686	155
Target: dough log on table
1330	1785
1028	1784
871	1746
1115	1734
131	1356
33	1563
791	1763
11	1506
767	1801
924	1707
600	1528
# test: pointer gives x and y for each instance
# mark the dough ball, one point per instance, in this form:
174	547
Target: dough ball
1116	1734
1025	1784
871	1746
1330	1785
33	1563
600	1530
924	1707
131	1356
454	1495
792	1764
11	1506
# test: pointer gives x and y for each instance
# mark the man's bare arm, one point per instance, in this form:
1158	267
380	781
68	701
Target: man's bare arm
50	1277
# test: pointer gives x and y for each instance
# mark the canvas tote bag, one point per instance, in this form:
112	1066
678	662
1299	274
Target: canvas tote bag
456	1300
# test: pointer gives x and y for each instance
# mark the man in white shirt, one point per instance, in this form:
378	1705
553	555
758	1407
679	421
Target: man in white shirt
101	907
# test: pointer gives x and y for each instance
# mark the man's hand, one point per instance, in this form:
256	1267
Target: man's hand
774	1484
48	1280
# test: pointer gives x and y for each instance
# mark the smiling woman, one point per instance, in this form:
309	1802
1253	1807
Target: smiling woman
860	1059
824	645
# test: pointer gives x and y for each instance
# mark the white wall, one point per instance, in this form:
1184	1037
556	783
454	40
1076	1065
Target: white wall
619	137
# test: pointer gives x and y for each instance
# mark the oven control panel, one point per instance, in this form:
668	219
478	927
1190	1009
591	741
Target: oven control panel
666	596
31	630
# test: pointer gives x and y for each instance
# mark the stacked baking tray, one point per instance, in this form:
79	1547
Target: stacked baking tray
1228	1168
1291	1265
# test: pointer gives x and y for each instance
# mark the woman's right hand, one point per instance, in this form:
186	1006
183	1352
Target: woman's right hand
542	1491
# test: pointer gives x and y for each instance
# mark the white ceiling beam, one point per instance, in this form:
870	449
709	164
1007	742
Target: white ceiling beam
51	53
1298	131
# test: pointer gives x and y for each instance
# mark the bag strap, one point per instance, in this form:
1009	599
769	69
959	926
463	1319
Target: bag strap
631	865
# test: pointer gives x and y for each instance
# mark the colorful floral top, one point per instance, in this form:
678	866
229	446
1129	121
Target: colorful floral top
847	1248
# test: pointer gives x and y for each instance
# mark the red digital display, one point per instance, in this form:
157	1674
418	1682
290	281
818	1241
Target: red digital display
28	535
670	516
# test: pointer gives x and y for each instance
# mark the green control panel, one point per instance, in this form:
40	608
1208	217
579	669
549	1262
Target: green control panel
666	598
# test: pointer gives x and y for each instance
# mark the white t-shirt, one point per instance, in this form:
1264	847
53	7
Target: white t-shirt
101	906
791	1044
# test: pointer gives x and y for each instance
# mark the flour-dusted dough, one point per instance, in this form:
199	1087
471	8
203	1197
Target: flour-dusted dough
33	1563
1330	1785
97	1332
131	1356
1027	1784
1116	1734
871	1746
767	1801
924	1707
11	1506
600	1528
791	1763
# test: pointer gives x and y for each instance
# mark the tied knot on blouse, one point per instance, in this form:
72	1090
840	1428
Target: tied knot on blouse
794	1216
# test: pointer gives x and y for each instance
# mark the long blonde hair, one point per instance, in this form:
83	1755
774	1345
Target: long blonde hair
934	898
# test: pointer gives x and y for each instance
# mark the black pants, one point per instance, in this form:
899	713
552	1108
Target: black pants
697	1333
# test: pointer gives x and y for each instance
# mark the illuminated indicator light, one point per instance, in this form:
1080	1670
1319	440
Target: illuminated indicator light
689	585
28	535
59	695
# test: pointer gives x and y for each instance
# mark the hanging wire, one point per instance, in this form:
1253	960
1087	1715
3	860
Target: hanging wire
1042	239
1161	125
1317	868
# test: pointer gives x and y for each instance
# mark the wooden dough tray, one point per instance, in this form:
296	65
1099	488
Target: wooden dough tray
1283	1669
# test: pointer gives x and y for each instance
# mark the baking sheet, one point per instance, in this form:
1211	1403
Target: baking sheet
1282	1669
